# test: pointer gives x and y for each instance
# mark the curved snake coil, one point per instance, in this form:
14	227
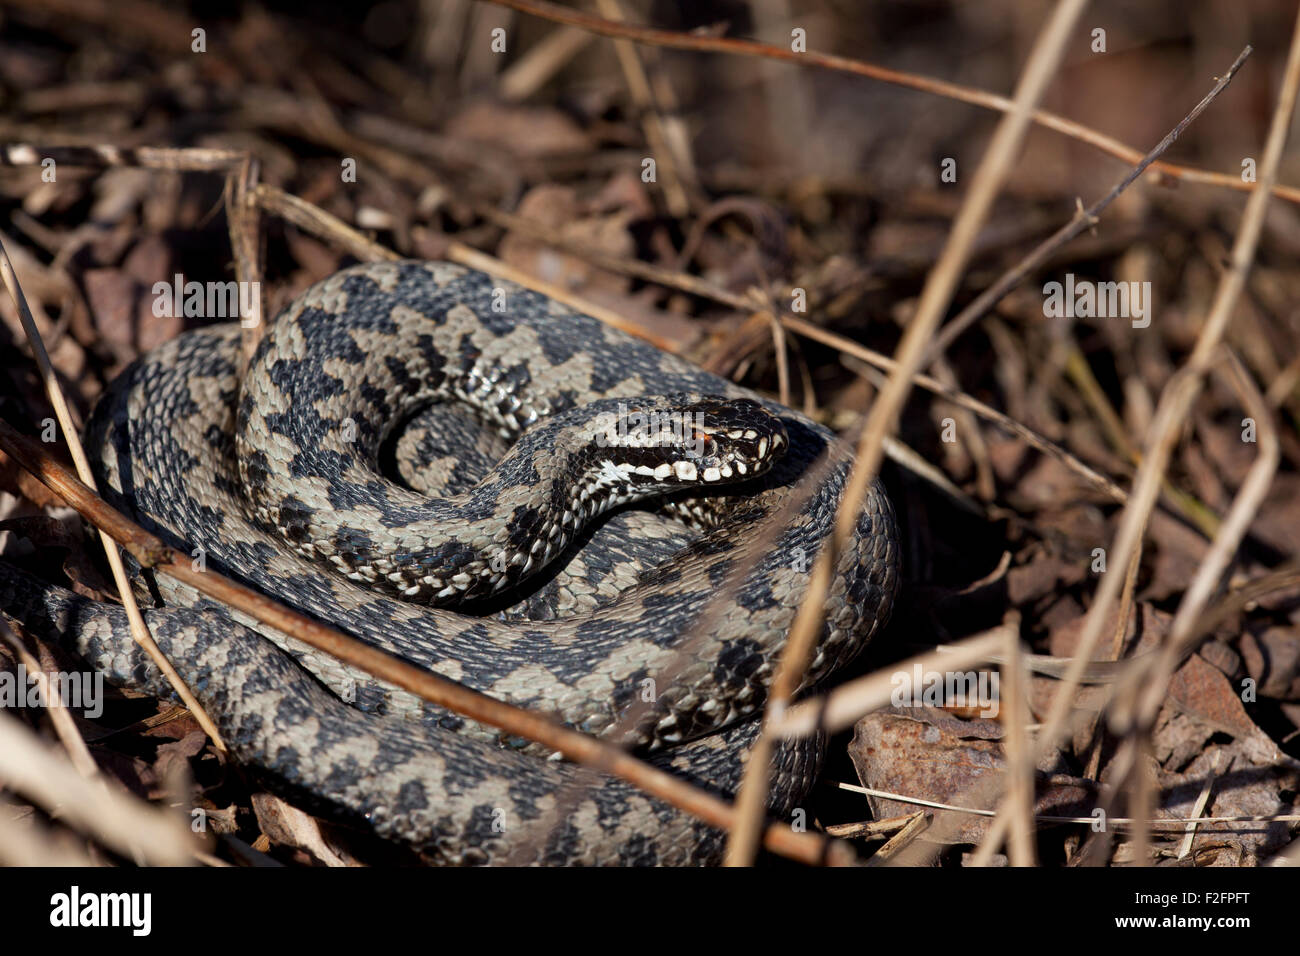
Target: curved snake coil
409	369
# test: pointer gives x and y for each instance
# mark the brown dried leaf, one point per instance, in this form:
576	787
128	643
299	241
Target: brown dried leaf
288	826
1045	573
111	295
1200	689
934	756
173	758
44	532
1279	515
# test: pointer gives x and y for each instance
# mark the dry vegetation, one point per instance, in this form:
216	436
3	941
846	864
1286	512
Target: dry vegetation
1103	511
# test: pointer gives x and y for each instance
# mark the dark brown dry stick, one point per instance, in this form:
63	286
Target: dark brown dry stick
243	221
317	222
581	748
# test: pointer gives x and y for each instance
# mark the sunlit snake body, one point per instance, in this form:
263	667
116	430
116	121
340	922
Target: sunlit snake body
258	475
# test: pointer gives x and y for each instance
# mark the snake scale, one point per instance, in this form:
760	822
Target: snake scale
440	463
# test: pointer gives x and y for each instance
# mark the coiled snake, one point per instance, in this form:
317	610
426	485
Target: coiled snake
311	480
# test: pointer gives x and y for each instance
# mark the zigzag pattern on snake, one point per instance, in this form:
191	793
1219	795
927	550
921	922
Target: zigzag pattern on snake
415	368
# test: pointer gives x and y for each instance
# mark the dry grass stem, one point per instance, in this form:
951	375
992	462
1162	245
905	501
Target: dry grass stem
64	726
139	631
1082	219
714	44
118	820
937	293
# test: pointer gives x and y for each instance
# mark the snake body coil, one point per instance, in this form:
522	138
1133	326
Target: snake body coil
513	420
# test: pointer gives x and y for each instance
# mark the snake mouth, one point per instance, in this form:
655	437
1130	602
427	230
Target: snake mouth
678	441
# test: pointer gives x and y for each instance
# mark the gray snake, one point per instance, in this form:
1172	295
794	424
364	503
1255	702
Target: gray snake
560	597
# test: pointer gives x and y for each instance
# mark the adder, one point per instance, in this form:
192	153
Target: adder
474	477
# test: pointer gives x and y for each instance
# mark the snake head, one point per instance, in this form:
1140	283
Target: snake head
677	440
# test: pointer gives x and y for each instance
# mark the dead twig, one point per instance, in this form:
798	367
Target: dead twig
242	217
589	751
1082	219
705	43
139	631
1175	403
665	150
938	291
